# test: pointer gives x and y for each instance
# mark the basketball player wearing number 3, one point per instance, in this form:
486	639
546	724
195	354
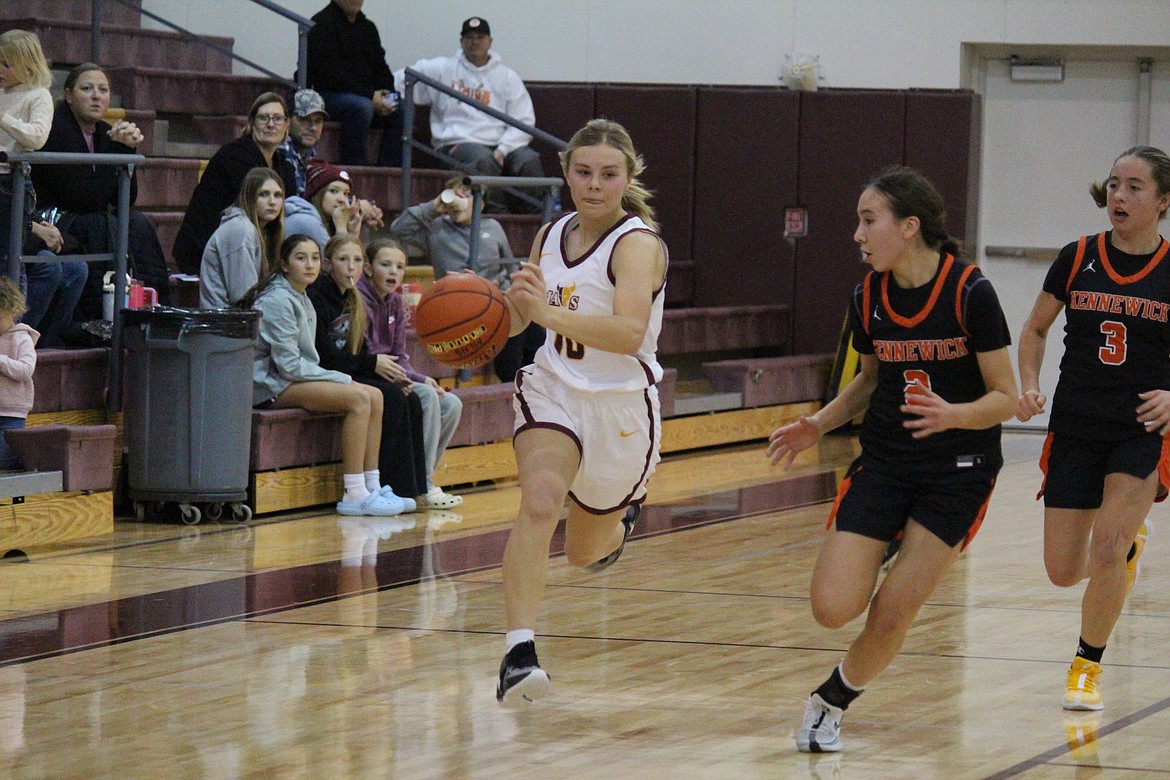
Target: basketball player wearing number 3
587	419
935	384
1104	458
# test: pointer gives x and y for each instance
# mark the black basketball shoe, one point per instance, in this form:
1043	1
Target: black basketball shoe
628	521
522	681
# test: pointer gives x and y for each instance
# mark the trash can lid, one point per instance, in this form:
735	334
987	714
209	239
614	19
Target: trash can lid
236	323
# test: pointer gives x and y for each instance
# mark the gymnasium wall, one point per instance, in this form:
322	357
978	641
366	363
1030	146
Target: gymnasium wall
725	162
908	44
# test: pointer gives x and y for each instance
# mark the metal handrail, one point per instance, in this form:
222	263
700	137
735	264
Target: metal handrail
303	25
477	183
21	162
412	77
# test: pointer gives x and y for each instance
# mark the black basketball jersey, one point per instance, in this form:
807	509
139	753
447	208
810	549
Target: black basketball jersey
1116	338
929	335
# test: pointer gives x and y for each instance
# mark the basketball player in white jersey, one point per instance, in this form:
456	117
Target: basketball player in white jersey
587	419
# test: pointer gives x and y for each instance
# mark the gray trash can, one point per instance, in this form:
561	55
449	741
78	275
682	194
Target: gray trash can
188	408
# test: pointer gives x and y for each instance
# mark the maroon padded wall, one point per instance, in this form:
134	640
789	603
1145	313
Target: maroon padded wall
661	121
846	137
746	172
561	109
942	141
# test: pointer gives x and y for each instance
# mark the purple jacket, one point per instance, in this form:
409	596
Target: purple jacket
386	333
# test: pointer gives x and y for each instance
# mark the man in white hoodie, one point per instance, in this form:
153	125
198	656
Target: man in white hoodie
489	147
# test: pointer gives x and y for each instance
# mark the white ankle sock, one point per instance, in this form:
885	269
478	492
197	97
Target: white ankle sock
844	679
373	479
355	487
517	636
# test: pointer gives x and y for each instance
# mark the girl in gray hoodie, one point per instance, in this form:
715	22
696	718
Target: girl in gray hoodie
286	373
244	246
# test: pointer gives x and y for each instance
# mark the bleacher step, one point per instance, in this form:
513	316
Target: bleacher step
685	404
29	483
72	10
169	91
67	43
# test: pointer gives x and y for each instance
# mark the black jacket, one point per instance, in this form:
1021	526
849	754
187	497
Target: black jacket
333	330
82	189
346	56
217	189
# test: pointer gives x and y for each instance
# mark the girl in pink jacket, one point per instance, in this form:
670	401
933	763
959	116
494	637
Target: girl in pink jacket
18	358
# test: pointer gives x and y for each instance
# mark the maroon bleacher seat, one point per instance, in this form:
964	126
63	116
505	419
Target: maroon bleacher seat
772	380
67	379
84	454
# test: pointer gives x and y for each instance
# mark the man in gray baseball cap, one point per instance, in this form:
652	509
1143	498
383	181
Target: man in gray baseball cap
304	133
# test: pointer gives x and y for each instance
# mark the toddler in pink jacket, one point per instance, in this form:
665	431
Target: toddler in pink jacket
18	358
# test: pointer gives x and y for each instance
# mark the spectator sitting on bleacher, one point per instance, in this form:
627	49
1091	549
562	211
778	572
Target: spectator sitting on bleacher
287	373
384	271
18	359
88	194
440	231
220	184
306	125
329	206
54	286
341	344
26	111
347	65
244	246
484	144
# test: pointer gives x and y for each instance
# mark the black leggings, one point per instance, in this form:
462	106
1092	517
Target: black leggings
401	459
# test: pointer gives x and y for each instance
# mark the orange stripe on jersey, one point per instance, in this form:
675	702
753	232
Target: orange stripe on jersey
841	491
910	322
1044	463
865	302
1076	266
978	518
1102	250
1164	471
959	299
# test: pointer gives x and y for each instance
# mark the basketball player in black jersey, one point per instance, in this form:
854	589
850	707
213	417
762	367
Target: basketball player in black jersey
1103	459
935	384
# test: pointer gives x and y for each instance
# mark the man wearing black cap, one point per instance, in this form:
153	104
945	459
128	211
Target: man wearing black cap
347	65
486	145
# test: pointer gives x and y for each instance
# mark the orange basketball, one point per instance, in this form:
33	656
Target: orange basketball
462	320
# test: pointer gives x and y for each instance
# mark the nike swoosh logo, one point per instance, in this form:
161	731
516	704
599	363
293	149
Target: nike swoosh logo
625	435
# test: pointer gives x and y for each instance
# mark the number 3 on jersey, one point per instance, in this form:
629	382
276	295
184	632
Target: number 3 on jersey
1113	353
573	350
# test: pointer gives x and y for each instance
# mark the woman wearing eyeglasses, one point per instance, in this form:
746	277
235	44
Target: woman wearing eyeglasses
265	129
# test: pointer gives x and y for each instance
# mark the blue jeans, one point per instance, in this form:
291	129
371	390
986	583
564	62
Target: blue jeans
8	459
524	161
53	291
440	418
356	115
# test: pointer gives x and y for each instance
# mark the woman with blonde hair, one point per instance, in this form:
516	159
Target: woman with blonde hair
247	242
587	417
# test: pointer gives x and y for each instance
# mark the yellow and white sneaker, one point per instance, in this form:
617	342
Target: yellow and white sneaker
1081	691
1133	567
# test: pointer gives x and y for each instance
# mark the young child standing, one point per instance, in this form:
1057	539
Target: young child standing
386	335
18	359
26	110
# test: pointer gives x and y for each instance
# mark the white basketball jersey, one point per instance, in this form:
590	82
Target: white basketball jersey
587	286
